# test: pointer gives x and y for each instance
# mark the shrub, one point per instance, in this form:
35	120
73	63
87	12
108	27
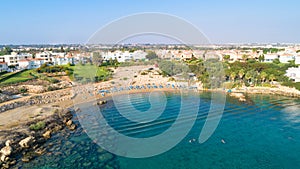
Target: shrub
171	79
292	84
53	80
52	88
23	90
266	85
144	73
38	126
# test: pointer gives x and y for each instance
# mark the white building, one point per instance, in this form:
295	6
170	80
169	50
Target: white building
46	55
297	60
294	74
124	56
30	63
139	55
14	57
286	58
58	60
269	58
3	67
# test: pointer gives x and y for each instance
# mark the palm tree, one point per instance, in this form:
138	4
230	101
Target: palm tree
263	76
248	76
254	76
232	76
241	73
272	77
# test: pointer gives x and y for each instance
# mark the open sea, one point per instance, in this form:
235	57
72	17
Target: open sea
261	133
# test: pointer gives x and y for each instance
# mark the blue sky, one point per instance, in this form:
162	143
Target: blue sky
223	21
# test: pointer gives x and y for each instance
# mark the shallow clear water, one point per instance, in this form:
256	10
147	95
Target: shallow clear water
263	132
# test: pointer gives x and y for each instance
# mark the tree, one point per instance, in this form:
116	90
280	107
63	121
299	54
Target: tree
241	73
254	76
276	61
272	77
261	58
97	59
115	63
292	63
263	76
248	76
151	55
226	57
232	76
62	49
111	61
6	51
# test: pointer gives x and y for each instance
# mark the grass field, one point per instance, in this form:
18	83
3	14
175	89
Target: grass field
17	77
90	72
82	73
2	76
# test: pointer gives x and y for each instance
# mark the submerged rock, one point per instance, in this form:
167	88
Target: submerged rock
239	96
28	157
101	102
69	122
72	127
47	134
6	165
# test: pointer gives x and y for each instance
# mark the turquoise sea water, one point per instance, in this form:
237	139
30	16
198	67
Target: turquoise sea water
263	132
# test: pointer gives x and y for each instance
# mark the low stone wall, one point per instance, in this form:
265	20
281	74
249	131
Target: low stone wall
38	99
4	98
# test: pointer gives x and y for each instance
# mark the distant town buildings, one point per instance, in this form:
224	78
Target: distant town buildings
33	57
30	63
124	56
14	57
294	74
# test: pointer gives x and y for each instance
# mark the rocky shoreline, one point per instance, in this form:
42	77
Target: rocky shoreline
28	142
281	90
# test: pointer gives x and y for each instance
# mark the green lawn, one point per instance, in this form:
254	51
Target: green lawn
82	73
2	76
89	72
18	77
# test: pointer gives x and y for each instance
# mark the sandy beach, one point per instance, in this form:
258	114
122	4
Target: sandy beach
47	102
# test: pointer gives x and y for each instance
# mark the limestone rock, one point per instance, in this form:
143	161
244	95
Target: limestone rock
47	134
6	151
239	96
72	127
101	102
26	142
69	122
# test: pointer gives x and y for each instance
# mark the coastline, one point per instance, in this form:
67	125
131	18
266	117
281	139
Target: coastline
65	99
15	122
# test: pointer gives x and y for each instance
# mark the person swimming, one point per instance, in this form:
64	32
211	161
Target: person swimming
192	140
